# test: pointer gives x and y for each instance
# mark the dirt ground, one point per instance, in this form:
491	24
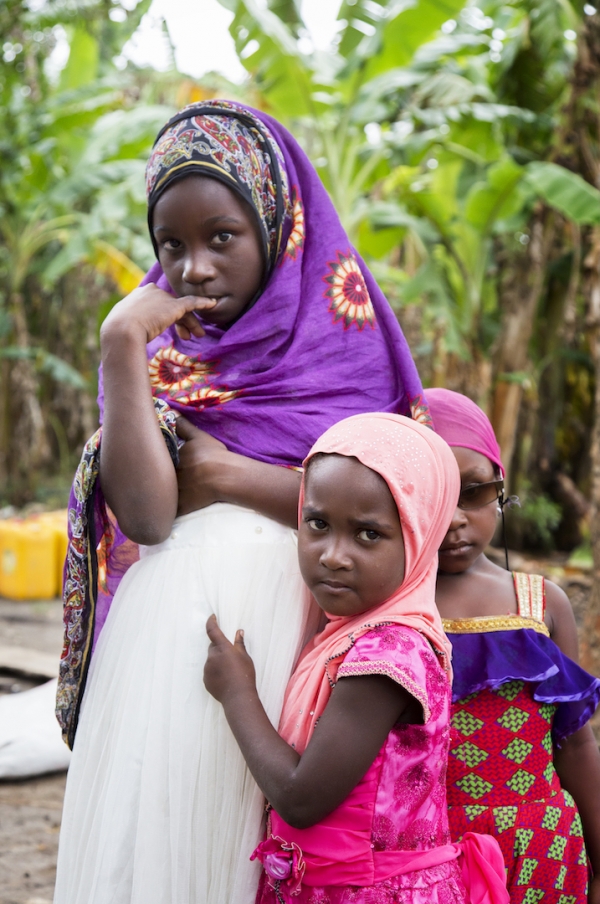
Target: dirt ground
30	810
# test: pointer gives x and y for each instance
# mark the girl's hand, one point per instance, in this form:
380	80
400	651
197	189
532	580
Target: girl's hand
202	460
209	472
150	311
228	669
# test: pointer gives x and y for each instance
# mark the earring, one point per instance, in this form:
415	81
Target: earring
499	509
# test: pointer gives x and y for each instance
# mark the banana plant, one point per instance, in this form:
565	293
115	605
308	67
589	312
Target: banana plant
320	94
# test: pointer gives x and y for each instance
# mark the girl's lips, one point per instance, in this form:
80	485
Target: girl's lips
456	550
335	587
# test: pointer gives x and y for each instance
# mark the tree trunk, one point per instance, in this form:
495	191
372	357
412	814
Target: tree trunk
29	448
590	641
586	131
520	293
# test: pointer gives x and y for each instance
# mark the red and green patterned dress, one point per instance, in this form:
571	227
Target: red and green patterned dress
515	696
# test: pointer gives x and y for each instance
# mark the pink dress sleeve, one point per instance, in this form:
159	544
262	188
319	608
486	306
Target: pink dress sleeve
399	653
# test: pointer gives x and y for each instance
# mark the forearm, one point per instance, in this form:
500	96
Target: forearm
578	765
272	762
269	489
137	474
303	790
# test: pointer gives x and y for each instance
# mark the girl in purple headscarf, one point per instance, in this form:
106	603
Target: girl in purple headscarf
523	764
258	328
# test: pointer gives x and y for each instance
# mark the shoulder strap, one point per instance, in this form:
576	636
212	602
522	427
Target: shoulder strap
530	590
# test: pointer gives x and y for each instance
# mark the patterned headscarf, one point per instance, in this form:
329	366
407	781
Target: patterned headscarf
232	145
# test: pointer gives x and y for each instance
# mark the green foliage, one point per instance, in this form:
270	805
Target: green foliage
72	154
436	126
541	516
566	191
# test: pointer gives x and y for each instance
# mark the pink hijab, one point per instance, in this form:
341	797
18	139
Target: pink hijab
461	422
423	477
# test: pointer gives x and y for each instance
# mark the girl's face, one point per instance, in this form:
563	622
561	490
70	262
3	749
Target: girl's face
350	541
470	530
209	245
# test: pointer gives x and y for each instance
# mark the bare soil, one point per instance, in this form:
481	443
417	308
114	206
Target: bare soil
30	810
30	813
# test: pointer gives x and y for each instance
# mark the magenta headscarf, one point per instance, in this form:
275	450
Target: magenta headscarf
461	422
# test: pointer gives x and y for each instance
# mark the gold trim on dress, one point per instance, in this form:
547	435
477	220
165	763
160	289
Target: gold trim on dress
530	594
485	623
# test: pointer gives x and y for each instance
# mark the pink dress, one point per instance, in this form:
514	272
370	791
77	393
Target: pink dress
400	804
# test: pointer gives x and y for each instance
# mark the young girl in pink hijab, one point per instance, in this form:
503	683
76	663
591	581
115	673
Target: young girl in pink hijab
355	778
523	762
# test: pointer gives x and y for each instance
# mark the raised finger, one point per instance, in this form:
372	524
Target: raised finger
189	324
215	634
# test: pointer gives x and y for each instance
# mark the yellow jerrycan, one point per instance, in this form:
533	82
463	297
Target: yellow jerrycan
32	553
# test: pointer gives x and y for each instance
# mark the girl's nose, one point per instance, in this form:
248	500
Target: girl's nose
459	519
335	556
198	267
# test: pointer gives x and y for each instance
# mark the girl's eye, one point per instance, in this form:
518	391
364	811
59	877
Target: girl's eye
317	524
221	238
369	535
171	244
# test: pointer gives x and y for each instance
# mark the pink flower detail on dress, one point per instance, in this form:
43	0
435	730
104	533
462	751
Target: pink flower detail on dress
438	687
421	835
319	896
384	834
390	637
282	862
413	786
411	737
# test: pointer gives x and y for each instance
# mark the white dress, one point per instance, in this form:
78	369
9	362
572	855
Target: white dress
160	807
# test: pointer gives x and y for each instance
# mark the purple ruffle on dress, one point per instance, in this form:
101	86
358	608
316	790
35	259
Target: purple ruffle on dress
490	659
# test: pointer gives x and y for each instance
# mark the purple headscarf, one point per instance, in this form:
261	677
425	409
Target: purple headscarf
461	422
319	344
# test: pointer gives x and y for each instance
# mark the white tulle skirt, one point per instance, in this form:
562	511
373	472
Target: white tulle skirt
160	807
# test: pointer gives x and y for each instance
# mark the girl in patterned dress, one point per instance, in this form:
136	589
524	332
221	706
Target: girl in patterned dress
356	775
523	762
257	328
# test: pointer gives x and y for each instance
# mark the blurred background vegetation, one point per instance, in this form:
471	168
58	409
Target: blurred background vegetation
461	145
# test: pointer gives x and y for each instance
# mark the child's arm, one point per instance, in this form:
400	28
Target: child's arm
578	765
137	475
208	472
359	716
577	761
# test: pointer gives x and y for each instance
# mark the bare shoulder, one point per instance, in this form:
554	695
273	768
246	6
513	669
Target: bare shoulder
561	621
483	590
